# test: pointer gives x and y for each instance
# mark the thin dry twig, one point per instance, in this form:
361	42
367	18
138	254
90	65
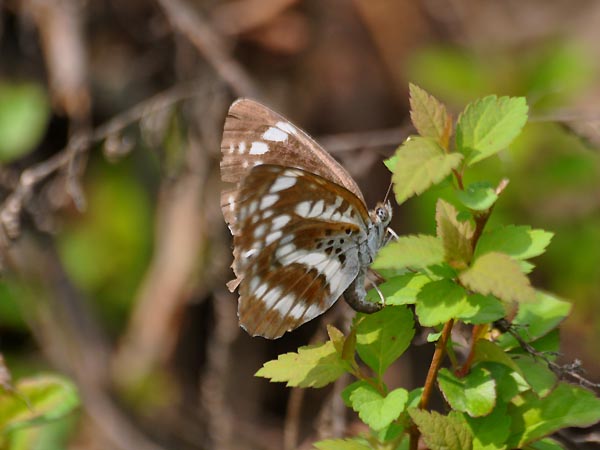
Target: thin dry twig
573	371
346	142
61	32
11	208
210	44
241	16
217	374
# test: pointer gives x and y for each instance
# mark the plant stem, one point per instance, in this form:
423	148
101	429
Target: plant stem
436	362
475	335
459	180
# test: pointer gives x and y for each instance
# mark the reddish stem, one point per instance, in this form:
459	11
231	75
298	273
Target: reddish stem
436	363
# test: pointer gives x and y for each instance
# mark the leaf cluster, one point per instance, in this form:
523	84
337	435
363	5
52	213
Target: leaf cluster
32	402
502	396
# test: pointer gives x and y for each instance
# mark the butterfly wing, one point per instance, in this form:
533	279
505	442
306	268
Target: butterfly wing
297	247
254	135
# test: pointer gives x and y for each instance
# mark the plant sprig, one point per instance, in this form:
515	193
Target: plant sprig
464	273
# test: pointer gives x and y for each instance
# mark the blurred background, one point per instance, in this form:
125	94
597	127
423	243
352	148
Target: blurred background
114	251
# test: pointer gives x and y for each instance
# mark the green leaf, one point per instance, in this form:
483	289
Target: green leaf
336	337
488	309
383	336
538	319
456	236
373	408
442	300
442	432
489	125
400	290
429	115
414	397
434	337
421	163
478	196
490	432
415	251
489	351
474	394
343	444
498	274
545	444
53	435
508	382
520	242
24	114
313	366
548	344
37	400
391	163
566	406
391	432
537	374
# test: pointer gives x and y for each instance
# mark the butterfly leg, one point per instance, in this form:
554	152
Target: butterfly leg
392	234
355	295
374	284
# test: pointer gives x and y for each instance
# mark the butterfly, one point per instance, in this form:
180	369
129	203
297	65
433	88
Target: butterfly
302	234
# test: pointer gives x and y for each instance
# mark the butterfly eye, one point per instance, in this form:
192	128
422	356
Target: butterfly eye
382	214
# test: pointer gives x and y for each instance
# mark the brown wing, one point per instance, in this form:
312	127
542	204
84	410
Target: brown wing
297	247
254	135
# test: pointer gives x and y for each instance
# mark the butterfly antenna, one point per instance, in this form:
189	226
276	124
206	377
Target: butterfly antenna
387	194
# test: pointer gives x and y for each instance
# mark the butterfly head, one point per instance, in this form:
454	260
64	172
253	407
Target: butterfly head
382	214
381	217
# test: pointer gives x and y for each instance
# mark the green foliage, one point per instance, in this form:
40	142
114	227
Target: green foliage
342	444
491	431
566	406
498	274
36	401
411	252
474	394
442	432
429	116
312	366
504	395
382	337
442	300
376	410
489	125
24	114
537	318
478	196
520	242
420	163
456	236
400	290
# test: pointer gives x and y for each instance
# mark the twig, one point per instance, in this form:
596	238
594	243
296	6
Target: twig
189	22
214	386
291	428
436	363
79	143
572	370
345	142
239	17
